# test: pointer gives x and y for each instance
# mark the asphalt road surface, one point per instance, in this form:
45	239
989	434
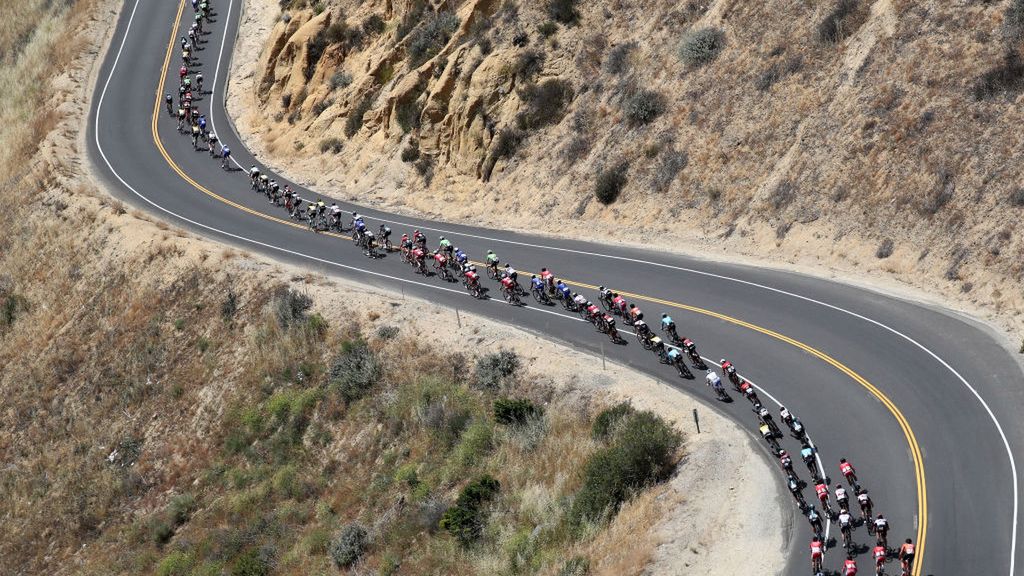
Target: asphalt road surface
924	403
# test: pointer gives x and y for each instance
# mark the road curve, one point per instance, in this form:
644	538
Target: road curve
924	402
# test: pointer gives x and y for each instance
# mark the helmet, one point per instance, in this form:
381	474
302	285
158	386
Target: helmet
489	251
722	361
842	460
839	486
441	238
415	232
783	454
472	268
457	249
599	288
574	294
589	304
334	203
545	270
533	276
880	517
212	135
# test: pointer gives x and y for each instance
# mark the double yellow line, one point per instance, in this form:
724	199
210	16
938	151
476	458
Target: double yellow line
915	450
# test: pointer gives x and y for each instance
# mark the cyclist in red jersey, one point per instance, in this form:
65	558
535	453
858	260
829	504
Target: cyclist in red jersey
879	554
507	284
822	491
817	553
907	555
850	566
847	469
548	279
471	276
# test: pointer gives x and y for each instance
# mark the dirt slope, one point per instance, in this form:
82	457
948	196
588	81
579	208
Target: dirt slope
876	139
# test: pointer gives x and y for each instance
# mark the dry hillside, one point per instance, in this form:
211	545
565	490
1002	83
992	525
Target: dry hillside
875	137
174	407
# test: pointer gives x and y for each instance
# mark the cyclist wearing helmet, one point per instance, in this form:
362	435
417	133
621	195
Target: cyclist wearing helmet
445	245
170	104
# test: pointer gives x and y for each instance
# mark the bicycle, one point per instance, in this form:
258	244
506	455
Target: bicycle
540	296
474	289
443	271
511	296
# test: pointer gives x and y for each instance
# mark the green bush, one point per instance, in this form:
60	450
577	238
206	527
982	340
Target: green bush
253	563
700	47
176	563
13	305
643	107
544	104
387	332
563	11
514	412
180	509
547	28
496	368
332	144
606	421
610	183
641	453
355	118
476	441
430	37
354	371
466	518
348	546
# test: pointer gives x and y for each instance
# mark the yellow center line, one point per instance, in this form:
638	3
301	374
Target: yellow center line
915	450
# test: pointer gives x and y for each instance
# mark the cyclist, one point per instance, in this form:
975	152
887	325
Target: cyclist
807	455
195	137
199	82
635	313
181	118
766	432
461	257
335	214
170	104
274	192
593	312
657	345
254	176
841	497
202	123
536	284
510	272
182	72
264	182
906	555
472	277
879	554
580	301
619	304
822	491
714	381
548	279
882	531
845	525
370	242
507	285
445	245
727	367
321	208
674	357
385	234
225	153
563	290
491	260
691	349
847	469
815	519
785	415
797	427
865	506
817	552
850	566
211	144
669	326
785	461
605	295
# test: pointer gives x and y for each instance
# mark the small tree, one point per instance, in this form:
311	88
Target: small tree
610	183
348	546
700	47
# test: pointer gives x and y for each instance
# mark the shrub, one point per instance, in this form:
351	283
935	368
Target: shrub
355	118
253	563
180	509
387	332
643	107
332	145
425	168
1007	76
476	441
832	28
321	106
315	50
700	47
410	153
354	371
544	104
286	100
527	64
290	306
408	115
547	28
496	368
340	79
430	37
617	61
410	19
1017	197
576	148
642	453
575	566
229	307
465	519
668	167
373	25
514	412
782	195
610	183
176	563
606	421
348	546
12	306
884	249
507	142
563	11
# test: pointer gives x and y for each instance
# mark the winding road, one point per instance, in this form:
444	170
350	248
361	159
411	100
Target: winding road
924	402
